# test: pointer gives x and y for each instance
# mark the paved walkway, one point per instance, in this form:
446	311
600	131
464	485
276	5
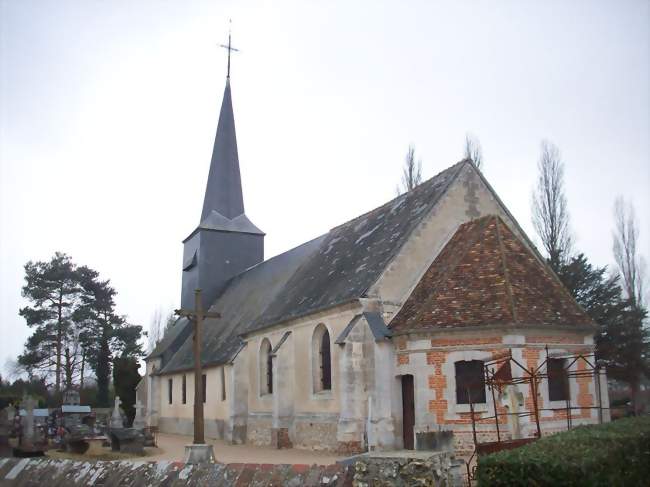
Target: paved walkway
173	448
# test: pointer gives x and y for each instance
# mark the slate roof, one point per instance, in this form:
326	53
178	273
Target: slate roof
485	275
246	297
375	322
223	191
353	255
333	269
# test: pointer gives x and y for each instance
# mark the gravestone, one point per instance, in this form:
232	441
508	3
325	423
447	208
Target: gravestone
127	440
138	421
27	433
116	418
11	420
71	397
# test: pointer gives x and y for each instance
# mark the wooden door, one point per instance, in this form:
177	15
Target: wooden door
408	411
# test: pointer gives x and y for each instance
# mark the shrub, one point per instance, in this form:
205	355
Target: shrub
612	454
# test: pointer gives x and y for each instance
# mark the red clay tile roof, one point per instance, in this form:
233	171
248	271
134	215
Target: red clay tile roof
485	275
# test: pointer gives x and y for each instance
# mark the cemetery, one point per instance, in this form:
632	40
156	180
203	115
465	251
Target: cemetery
71	430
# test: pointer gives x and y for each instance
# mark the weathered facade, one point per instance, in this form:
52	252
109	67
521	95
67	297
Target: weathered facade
360	338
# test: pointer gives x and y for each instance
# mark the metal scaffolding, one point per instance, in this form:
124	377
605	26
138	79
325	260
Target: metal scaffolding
498	374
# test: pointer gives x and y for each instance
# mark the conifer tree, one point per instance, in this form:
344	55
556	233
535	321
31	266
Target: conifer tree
622	342
53	290
105	333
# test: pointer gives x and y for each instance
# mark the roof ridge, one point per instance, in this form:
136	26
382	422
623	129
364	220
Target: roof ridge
454	264
458	166
506	274
403	195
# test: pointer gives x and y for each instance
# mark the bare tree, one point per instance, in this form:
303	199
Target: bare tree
549	206
631	265
473	150
411	172
160	324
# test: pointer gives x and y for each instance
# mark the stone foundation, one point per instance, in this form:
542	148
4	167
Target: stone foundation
258	430
280	438
349	447
440	469
315	435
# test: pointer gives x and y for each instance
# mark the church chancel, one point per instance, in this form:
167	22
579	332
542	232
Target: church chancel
372	336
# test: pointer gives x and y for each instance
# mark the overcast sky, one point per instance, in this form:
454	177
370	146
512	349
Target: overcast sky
108	111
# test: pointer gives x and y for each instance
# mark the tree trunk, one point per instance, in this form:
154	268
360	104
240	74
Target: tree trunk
69	366
59	339
103	368
83	364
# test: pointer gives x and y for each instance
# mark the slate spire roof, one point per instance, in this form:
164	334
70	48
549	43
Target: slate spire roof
223	193
485	275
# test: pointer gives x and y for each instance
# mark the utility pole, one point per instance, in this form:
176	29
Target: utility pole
196	317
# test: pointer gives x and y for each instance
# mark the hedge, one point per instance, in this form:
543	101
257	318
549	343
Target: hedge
612	454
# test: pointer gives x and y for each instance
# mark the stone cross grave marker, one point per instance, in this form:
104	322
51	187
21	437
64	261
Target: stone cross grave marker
116	418
138	420
27	438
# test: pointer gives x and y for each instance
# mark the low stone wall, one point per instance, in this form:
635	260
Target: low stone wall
41	471
436	469
439	470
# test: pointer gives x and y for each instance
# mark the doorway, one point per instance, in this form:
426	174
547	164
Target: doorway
408	411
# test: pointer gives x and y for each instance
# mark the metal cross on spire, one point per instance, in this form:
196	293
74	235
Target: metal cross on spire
230	48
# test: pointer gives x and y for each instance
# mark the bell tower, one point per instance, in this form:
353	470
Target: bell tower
225	243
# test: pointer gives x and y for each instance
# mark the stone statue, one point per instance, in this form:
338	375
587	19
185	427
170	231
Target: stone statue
139	421
116	418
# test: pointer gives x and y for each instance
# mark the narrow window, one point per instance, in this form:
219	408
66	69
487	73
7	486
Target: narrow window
266	368
325	362
558	381
170	385
470	382
184	390
321	356
223	383
204	387
269	373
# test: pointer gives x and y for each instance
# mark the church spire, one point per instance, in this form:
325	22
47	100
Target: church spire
225	242
223	192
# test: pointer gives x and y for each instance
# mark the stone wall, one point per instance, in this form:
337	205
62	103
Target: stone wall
42	471
431	360
440	470
315	435
258	430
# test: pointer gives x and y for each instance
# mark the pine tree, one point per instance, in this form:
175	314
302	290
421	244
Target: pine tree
53	290
75	325
105	333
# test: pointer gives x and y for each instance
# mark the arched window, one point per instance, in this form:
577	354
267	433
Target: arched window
266	368
321	359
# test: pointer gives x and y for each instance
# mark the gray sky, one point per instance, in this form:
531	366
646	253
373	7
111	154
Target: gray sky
108	111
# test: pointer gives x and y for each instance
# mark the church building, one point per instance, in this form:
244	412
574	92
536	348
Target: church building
372	335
